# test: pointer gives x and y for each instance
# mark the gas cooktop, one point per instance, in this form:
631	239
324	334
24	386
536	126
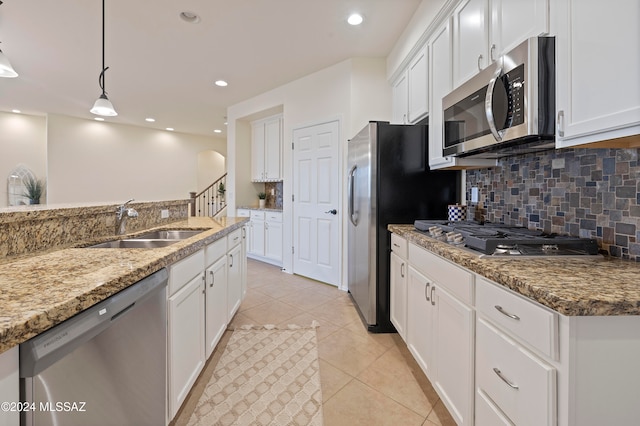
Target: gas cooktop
505	240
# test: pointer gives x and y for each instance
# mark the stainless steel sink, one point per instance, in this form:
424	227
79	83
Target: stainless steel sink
137	243
170	234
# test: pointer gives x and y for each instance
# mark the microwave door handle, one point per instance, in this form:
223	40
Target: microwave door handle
351	196
488	104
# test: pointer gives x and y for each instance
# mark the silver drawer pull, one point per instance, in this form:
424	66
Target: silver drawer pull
507	314
396	245
504	379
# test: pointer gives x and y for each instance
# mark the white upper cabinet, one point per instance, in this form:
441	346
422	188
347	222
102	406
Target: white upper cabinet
410	97
598	70
485	29
470	39
266	149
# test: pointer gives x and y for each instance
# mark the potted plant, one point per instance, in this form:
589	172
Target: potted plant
221	190
33	189
262	196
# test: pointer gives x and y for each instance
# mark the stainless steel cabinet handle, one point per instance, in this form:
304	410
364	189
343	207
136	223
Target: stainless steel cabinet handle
231	264
505	313
402	269
493	48
433	299
560	123
426	291
488	104
504	379
396	245
350	188
213	278
479	60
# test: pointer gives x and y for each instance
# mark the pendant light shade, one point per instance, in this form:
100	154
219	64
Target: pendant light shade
6	70
103	105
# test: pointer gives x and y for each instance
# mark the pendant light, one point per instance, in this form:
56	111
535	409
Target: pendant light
6	70
103	106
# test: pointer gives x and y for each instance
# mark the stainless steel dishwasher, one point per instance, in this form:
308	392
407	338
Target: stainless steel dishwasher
104	366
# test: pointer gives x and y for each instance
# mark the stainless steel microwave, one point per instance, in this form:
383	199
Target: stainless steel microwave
506	109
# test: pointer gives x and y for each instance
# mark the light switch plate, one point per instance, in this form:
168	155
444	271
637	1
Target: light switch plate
164	214
474	194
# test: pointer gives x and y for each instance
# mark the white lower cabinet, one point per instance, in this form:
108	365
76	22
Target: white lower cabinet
440	328
205	291
9	385
186	315
398	294
264	236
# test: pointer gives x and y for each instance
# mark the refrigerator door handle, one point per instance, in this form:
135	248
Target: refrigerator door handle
350	188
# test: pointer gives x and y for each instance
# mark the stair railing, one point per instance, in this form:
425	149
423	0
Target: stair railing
210	201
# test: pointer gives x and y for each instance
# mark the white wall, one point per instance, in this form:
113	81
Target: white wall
211	166
353	91
90	161
23	140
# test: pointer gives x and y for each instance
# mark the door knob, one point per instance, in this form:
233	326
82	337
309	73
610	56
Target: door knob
332	211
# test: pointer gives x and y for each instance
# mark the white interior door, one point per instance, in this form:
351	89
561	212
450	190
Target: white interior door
316	205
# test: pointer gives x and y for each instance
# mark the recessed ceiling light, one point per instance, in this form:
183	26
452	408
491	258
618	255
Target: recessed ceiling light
150	120
17	111
221	83
355	19
217	131
98	118
189	17
170	129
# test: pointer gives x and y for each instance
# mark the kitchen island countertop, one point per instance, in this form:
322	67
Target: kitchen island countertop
39	291
570	286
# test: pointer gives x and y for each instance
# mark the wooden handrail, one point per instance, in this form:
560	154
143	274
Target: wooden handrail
211	197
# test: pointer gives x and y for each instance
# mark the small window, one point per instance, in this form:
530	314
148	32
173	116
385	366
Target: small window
16	185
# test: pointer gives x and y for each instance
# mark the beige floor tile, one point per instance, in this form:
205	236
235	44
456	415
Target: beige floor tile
348	352
357	404
332	379
337	313
384	339
254	298
272	313
391	376
324	329
305	299
240	319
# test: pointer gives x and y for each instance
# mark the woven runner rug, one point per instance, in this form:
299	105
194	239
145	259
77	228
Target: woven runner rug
266	376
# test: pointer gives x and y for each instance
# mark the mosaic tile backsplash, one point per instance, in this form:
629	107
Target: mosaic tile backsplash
593	193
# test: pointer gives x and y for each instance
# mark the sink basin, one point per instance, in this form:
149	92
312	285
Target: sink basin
171	234
137	243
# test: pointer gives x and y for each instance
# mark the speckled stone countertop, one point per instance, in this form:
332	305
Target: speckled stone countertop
572	287
40	291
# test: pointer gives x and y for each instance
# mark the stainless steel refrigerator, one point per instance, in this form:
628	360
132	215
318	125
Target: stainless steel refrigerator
389	181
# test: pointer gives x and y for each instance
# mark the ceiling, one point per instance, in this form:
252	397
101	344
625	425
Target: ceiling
163	67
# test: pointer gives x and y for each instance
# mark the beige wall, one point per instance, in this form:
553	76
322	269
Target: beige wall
353	91
92	161
211	166
23	140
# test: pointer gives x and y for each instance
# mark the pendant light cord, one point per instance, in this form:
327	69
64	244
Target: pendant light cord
101	78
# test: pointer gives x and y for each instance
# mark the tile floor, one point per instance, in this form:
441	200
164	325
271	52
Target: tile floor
367	379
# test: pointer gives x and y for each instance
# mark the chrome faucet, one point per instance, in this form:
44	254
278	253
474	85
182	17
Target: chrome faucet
122	213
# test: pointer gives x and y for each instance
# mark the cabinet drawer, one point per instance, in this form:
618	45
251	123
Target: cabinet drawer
215	251
234	238
184	270
257	214
527	321
399	245
455	279
243	213
488	414
273	216
520	384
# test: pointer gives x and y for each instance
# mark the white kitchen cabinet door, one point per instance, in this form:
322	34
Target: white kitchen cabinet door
216	303
418	83
257	151
470	39
400	100
512	22
273	240
420	320
273	149
398	294
597	66
186	316
453	344
234	280
257	237
9	385
243	256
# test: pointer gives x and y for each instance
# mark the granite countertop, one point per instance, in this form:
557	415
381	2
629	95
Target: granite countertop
42	290
572	287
